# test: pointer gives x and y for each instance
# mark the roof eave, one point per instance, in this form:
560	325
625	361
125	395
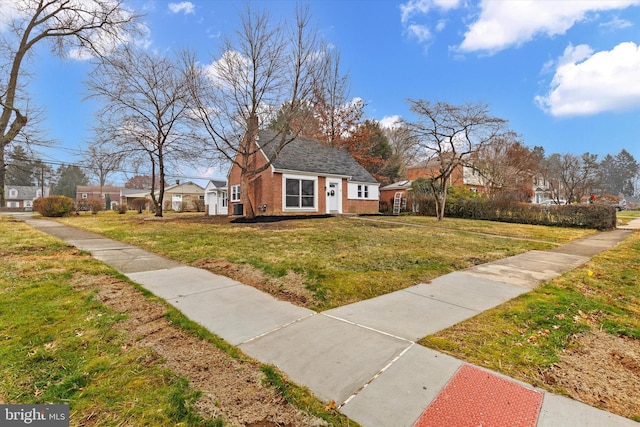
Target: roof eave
310	173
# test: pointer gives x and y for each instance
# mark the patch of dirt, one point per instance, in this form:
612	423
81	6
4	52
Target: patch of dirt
602	370
230	388
287	288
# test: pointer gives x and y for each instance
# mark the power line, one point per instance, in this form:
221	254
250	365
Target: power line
123	171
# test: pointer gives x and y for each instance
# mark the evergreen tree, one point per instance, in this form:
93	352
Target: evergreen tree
618	173
20	169
69	177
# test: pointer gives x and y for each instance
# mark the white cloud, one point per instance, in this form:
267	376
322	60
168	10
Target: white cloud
573	54
587	83
9	12
503	24
414	8
232	66
422	7
185	6
616	24
420	32
390	122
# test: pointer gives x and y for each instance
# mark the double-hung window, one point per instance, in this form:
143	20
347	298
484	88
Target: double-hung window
363	191
300	193
235	193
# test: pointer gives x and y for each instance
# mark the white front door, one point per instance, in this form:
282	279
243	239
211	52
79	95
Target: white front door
176	202
333	197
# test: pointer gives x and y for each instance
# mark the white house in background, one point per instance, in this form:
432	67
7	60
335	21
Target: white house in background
183	197
216	198
22	197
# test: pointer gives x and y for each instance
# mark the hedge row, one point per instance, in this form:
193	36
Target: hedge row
600	217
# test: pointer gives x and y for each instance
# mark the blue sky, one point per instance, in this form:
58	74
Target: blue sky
565	74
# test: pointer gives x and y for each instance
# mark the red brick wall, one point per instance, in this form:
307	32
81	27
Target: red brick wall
457	177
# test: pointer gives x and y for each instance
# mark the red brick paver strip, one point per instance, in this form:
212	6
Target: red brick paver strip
474	397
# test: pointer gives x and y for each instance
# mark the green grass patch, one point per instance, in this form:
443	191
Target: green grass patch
341	260
625	216
527	334
557	235
629	214
57	344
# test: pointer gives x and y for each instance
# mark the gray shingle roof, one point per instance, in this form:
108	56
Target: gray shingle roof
24	192
307	155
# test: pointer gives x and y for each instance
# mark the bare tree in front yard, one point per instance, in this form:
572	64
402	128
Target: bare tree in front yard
73	28
267	67
447	136
144	114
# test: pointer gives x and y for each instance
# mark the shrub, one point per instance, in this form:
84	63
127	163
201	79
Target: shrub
139	203
122	208
53	206
198	205
600	217
96	205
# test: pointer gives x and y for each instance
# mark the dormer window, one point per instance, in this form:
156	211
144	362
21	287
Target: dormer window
13	193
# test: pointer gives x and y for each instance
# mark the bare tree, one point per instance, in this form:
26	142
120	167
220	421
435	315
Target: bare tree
447	136
100	162
571	176
72	27
145	110
403	146
507	168
266	67
336	113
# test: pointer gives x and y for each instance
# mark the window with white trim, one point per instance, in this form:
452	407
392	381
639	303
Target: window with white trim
235	193
84	195
13	193
300	193
363	191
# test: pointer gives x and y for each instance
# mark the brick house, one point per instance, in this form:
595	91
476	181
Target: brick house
107	192
305	177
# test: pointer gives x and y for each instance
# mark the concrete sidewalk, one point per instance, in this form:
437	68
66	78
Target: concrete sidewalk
363	356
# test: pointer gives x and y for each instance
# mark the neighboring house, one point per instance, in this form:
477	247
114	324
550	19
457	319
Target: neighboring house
306	177
107	192
461	176
395	196
216	198
128	195
186	197
22	197
542	190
